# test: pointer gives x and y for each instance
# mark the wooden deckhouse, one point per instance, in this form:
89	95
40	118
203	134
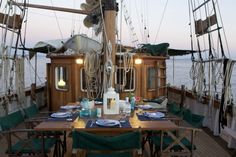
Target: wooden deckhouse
148	79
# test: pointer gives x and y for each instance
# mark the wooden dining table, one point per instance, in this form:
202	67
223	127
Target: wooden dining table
80	124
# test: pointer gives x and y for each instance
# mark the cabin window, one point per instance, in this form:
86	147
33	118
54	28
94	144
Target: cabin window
127	83
61	78
151	79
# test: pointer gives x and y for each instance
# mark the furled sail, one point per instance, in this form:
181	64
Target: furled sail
76	44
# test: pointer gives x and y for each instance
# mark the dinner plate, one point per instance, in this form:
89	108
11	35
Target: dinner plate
145	107
154	114
69	107
61	114
107	122
98	102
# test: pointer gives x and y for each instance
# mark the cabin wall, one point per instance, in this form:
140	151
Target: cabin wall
61	97
141	78
58	97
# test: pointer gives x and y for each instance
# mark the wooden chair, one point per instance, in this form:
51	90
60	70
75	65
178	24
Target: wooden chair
26	141
93	145
170	143
34	117
193	119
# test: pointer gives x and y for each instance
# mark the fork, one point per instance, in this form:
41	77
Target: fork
92	122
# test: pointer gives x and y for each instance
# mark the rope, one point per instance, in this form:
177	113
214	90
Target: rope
226	41
162	17
92	71
227	85
58	25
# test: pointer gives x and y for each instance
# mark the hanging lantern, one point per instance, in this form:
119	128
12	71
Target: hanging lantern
111	102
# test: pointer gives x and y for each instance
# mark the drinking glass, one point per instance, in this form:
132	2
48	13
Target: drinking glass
122	112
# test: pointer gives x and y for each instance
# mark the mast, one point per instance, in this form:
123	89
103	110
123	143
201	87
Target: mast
110	8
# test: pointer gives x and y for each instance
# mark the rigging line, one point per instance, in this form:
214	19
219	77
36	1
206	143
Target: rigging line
120	60
26	24
158	30
58	25
139	20
191	31
206	7
59	17
226	41
32	68
73	21
219	35
147	18
104	27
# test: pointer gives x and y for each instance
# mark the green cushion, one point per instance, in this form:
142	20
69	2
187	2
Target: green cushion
125	154
32	146
88	141
187	116
175	109
12	120
193	119
167	140
31	111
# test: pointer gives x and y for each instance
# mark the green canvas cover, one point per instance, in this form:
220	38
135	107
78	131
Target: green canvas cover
88	141
31	111
92	142
155	50
32	146
12	120
193	119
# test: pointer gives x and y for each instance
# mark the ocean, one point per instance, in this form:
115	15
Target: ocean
181	73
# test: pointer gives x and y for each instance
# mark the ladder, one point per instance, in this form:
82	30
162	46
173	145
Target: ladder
205	26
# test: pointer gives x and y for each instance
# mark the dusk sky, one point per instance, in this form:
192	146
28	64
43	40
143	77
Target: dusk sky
42	24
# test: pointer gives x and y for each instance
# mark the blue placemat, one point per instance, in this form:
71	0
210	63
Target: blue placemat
72	118
141	117
92	124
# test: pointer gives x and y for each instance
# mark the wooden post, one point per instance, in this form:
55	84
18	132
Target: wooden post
182	95
110	30
33	92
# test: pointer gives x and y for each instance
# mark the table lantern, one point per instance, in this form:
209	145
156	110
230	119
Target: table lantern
111	102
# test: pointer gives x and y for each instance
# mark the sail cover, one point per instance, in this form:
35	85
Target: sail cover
76	44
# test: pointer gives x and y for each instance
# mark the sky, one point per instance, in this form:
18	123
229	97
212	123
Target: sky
174	28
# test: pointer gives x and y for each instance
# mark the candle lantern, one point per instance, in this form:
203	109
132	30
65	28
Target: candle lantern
111	102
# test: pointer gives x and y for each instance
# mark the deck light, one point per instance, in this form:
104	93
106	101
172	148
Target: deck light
138	61
79	61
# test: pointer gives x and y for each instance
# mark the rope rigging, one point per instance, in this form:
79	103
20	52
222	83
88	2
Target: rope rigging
207	77
11	65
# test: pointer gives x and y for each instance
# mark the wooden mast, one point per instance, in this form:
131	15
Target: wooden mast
110	9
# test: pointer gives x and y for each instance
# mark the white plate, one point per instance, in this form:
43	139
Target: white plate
107	122
145	107
154	114
98	102
69	107
61	114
